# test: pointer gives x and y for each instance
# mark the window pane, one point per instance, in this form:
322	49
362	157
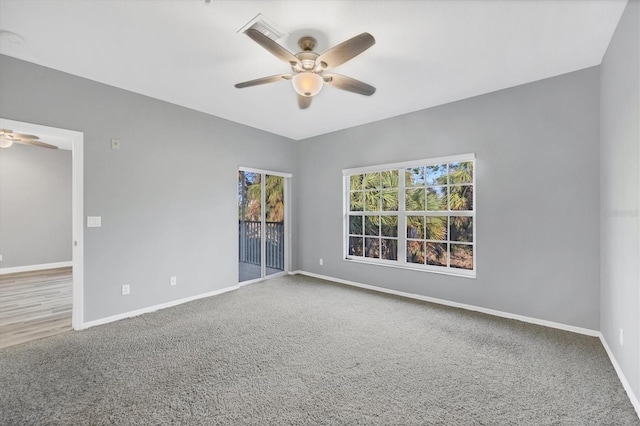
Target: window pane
462	228
389	226
415	199
437	198
372	247
372	201
461	172
389	179
461	256
355	246
389	249
437	254
415	226
390	200
372	225
461	197
372	180
415	252
436	228
250	190
414	176
355	182
356	202
355	225
436	175
437	215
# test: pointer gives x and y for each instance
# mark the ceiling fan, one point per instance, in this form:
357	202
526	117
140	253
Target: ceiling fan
308	67
8	137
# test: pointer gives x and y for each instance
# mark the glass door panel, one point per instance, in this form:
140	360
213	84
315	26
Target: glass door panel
250	225
274	224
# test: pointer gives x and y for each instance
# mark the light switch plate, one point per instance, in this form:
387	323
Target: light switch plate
94	221
115	143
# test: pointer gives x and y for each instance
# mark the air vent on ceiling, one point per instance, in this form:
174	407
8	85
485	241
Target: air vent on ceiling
266	26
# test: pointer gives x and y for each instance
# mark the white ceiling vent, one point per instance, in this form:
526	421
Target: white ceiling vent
266	26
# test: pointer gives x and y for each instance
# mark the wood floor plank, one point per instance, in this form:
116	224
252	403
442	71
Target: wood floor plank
34	305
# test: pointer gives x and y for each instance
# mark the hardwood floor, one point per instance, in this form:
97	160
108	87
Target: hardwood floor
34	305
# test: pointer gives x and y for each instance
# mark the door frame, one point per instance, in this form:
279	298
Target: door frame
287	224
76	140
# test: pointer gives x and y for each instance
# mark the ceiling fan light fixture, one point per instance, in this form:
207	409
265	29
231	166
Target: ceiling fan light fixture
5	143
308	67
307	83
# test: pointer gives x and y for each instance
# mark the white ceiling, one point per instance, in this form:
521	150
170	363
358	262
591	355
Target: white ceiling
427	52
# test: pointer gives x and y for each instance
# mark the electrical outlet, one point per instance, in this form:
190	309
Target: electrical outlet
126	289
174	280
621	337
321	262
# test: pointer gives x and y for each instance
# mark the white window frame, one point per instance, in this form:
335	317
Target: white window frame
402	216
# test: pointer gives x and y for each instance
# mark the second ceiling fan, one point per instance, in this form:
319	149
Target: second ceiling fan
308	67
9	137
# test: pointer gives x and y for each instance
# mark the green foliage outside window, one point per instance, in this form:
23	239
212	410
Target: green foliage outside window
431	239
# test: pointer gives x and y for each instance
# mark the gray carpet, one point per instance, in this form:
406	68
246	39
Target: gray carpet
302	351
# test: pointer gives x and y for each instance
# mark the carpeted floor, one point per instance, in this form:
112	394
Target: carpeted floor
297	350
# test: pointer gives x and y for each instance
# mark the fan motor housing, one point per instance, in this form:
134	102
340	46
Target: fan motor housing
308	59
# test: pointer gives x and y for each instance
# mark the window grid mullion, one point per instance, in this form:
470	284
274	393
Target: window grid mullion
402	217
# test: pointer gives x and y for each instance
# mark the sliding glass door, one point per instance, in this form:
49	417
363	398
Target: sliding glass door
262	224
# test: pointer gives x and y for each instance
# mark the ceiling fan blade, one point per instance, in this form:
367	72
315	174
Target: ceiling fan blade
24	136
349	84
264	80
11	135
346	50
36	143
304	101
273	47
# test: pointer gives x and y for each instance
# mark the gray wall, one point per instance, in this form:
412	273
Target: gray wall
167	198
35	206
537	168
619	189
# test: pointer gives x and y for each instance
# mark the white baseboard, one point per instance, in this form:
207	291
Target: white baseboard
154	308
551	324
30	268
625	383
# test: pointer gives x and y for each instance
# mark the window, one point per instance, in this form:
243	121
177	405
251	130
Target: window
416	215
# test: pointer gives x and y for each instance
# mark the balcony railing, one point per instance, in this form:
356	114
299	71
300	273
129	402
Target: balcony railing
250	243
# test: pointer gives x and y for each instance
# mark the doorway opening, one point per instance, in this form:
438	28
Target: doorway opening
263	224
74	141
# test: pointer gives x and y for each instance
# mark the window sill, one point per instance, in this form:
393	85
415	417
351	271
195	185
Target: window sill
408	266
